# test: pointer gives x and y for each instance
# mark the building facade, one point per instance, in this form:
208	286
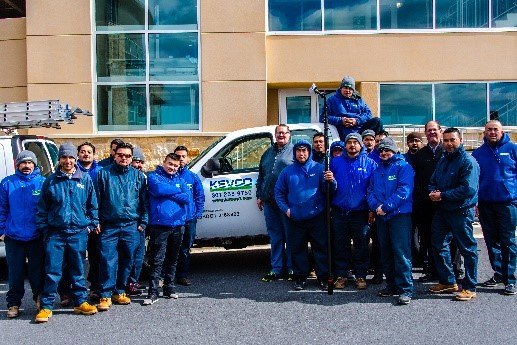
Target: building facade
190	70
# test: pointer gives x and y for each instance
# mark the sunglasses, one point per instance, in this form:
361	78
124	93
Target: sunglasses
123	155
383	150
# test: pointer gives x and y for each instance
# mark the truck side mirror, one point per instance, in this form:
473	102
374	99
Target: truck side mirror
211	166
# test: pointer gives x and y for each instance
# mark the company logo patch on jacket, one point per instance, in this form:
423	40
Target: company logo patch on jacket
392	177
36	192
80	185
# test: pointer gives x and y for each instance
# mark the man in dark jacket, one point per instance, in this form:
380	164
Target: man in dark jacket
350	216
414	143
19	195
122	195
272	162
170	200
497	206
67	212
109	160
300	195
318	148
454	189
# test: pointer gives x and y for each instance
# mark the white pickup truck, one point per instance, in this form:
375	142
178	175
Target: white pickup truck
228	169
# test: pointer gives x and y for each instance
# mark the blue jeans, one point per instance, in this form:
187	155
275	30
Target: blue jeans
16	253
498	221
165	243
70	248
458	225
348	226
117	246
395	241
138	260
276	224
300	233
184	256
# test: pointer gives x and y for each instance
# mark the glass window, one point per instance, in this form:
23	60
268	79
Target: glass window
173	56
350	15
121	107
461	105
298	109
406	14
461	14
503	103
294	15
41	155
174	106
111	15
406	104
245	153
504	13
173	15
120	57
12	9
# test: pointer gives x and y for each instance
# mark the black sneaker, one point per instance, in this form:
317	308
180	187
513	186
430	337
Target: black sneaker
404	299
299	285
510	290
170	295
151	299
492	282
377	279
271	276
386	292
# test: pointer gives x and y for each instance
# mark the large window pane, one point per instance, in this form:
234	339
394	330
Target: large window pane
119	15
173	56
503	103
504	13
298	109
462	14
174	106
406	104
406	14
121	108
350	15
294	15
120	57
461	105
173	15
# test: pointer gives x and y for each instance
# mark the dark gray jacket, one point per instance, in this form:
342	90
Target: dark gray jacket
272	162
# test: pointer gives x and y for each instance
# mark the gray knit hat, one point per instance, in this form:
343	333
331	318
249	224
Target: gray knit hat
347	81
355	136
67	150
25	156
388	143
138	154
368	132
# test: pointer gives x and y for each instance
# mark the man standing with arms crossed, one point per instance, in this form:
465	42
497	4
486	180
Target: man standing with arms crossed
454	189
272	162
497	206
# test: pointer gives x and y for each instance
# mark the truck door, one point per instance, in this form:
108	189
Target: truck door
229	181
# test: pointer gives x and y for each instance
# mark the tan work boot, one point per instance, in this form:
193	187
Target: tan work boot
104	304
86	309
13	312
442	288
43	315
340	283
121	299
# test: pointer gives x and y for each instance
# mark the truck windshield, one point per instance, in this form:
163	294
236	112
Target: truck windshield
202	154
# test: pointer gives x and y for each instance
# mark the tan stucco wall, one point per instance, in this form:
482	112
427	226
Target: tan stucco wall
232	16
13	58
59	17
392	57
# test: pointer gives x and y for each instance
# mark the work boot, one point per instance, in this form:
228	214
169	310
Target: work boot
86	309
121	299
43	315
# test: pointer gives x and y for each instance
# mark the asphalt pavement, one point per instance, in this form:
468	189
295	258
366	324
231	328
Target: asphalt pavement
228	304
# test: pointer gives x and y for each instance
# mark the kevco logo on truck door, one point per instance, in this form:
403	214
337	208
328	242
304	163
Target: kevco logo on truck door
231	189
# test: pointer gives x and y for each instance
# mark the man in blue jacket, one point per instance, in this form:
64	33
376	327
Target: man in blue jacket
67	212
170	199
272	162
19	195
300	195
348	112
350	212
497	206
454	189
198	204
389	194
123	205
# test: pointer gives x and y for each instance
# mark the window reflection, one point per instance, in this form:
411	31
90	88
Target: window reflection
406	104
120	15
120	57
462	14
174	106
298	109
121	108
173	15
350	15
173	56
406	14
504	13
461	105
294	15
503	103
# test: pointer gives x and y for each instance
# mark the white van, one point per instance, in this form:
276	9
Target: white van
228	169
45	150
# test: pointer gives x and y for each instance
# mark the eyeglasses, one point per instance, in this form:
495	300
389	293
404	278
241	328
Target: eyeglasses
123	155
383	150
282	133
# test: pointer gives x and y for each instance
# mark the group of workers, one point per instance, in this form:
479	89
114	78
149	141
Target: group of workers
105	208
